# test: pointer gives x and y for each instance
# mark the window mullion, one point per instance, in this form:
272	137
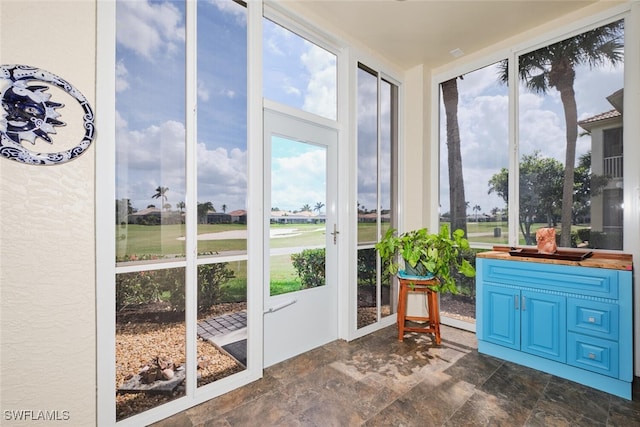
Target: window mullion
191	172
514	169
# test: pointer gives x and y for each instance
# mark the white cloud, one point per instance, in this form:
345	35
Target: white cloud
320	96
122	73
155	156
149	28
299	180
239	12
203	91
290	89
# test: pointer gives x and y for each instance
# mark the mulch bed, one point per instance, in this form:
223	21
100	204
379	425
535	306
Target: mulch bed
146	332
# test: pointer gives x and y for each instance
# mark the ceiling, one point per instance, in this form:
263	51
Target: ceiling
412	32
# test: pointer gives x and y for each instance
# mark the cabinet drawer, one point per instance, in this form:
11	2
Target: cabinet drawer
594	318
594	354
598	282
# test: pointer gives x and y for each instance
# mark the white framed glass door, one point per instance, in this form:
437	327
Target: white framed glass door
301	237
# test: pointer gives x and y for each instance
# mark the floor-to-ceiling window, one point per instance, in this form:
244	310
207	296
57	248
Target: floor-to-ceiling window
181	199
377	110
563	167
473	148
562	86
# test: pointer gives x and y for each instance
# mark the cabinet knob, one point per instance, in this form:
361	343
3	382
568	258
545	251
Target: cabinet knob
592	356
591	320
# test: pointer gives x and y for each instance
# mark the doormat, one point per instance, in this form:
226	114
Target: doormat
237	350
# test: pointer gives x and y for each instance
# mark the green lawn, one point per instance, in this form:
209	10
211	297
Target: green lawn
160	241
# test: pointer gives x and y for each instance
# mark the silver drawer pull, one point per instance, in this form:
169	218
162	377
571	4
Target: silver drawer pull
591	320
592	356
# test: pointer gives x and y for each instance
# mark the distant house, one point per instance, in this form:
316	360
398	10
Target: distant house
302	217
218	218
155	216
239	216
385	216
607	159
148	216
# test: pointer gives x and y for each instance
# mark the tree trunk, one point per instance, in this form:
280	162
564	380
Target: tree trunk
457	202
564	85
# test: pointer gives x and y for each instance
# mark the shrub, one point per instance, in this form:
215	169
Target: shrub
310	265
584	234
211	277
136	288
367	267
574	239
466	285
169	285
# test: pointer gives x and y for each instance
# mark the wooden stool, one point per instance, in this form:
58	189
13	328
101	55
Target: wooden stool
426	286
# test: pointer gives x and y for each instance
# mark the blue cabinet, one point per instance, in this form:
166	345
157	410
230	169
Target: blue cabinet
525	320
573	321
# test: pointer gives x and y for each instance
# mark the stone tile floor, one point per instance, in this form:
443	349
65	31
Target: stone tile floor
378	381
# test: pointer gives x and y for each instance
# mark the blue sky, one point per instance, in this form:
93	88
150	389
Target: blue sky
150	99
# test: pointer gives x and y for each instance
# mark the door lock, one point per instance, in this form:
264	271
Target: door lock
335	234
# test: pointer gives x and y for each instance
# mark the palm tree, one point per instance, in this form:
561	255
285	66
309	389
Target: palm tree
554	67
161	193
457	203
306	208
224	208
181	206
318	206
203	210
476	209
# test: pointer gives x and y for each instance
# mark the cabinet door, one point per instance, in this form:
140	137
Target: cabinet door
501	316
544	325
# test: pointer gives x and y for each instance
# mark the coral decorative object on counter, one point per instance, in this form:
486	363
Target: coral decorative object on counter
546	238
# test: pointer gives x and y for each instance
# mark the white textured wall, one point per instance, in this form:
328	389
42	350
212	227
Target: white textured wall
47	244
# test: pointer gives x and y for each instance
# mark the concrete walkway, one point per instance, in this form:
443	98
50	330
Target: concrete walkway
225	329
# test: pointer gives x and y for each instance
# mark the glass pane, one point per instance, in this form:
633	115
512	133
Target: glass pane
386	213
222	189
222	320
222	128
368	289
388	133
474	145
298	73
150	130
367	157
297	230
474	150
150	339
570	112
377	145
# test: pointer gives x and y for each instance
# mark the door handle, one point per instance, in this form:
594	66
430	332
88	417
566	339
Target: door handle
335	234
280	306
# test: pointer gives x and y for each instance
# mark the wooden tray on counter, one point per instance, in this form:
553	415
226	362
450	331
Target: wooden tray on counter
573	255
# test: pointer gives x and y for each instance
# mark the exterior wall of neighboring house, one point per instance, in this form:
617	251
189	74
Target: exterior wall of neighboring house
238	216
606	205
218	218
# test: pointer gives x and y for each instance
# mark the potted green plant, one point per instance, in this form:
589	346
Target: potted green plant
427	254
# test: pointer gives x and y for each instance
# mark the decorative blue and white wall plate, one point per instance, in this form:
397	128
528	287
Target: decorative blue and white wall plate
27	113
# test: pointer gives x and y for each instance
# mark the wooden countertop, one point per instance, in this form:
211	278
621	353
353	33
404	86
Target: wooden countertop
599	259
